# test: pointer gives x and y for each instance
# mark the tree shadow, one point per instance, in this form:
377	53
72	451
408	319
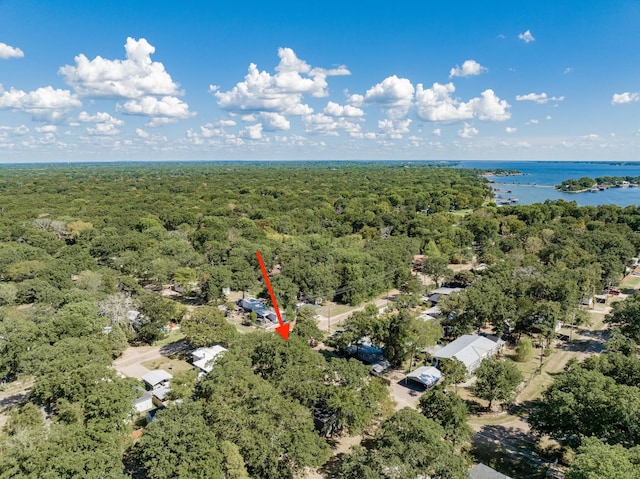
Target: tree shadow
178	348
511	451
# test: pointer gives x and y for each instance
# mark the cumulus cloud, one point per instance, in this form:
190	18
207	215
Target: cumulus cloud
467	131
437	131
540	98
393	94
135	77
321	124
140	133
568	70
46	103
168	109
334	109
46	129
468	68
437	104
272	121
510	129
252	132
281	92
526	37
394	129
105	124
7	52
17	130
626	97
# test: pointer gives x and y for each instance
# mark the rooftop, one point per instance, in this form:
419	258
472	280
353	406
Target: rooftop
156	377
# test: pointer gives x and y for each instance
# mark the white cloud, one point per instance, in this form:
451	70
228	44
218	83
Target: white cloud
532	122
437	104
272	121
626	97
45	103
568	70
541	98
437	131
526	37
334	109
281	92
489	107
468	68
46	129
394	129
7	52
105	124
321	124
393	94
252	132
510	129
168	109
135	77
467	131
140	133
18	130
548	117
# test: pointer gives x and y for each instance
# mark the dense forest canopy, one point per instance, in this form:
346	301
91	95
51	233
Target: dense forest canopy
83	246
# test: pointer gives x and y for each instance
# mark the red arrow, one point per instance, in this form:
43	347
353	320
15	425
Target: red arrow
283	329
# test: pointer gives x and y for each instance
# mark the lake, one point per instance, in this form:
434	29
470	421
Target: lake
539	177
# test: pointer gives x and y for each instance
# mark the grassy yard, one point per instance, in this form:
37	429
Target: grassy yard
173	337
168	364
632	282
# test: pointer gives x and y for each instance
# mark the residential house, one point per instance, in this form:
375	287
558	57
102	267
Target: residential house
436	294
204	358
471	349
158	383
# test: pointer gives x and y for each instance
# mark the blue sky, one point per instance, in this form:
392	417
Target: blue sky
120	80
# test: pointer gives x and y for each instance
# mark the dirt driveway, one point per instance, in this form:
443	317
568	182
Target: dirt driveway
130	362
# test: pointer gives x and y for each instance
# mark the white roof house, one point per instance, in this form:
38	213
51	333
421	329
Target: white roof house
426	375
471	349
204	358
157	378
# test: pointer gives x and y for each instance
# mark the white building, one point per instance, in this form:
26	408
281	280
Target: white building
471	349
204	358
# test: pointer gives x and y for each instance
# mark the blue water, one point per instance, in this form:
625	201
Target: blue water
533	185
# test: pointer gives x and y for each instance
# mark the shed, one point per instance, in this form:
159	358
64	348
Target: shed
471	349
157	379
428	376
480	471
144	402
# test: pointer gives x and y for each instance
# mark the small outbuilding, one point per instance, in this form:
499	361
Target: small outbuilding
144	402
428	376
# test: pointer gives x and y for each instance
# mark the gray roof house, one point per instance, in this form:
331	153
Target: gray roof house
157	378
471	349
480	471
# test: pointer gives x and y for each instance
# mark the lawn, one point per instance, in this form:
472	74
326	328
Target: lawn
168	364
632	282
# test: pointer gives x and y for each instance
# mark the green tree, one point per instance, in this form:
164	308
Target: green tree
497	380
436	268
453	370
625	316
306	325
524	350
407	445
596	460
447	409
206	326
